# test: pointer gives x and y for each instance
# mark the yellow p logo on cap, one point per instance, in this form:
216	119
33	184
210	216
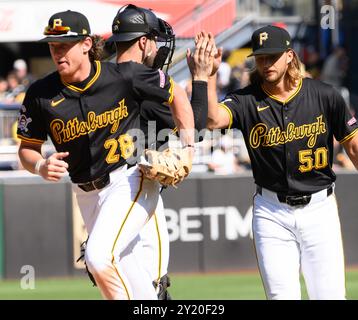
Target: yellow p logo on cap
57	23
263	37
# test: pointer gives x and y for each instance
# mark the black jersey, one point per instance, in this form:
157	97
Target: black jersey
91	123
291	143
156	122
162	122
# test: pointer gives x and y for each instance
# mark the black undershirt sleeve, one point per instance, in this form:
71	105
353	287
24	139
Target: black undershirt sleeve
199	103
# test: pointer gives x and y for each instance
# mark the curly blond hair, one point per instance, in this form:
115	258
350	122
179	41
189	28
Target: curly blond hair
96	52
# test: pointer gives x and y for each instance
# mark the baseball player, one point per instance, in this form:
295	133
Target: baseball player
132	40
89	108
288	123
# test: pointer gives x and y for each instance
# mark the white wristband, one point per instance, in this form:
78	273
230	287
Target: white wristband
38	165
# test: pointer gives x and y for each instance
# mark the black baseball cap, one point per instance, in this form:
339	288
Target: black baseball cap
132	22
270	40
67	26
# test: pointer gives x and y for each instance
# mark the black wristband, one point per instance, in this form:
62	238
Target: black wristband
188	146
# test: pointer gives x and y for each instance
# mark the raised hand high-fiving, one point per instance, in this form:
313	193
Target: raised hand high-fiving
201	61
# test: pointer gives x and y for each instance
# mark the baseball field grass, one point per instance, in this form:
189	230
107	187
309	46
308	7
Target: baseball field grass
228	286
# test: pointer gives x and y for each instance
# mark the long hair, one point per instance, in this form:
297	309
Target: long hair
292	76
96	52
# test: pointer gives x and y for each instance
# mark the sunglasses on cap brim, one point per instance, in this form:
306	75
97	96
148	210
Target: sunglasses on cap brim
60	30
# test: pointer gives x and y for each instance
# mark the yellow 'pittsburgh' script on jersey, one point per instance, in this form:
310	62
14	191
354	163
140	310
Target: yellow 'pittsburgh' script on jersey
63	132
260	135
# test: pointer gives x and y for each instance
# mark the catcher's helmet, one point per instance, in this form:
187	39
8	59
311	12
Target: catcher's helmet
132	22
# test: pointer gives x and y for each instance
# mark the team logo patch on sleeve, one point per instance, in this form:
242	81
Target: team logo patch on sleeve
161	78
23	123
352	121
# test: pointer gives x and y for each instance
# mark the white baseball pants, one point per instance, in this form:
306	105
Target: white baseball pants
154	244
302	238
114	217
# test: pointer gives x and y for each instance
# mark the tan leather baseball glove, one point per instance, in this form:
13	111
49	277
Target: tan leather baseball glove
168	167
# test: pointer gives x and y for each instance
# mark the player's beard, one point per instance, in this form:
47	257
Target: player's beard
274	77
149	59
149	54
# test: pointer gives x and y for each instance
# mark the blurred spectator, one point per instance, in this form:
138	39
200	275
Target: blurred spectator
223	160
242	154
3	89
20	69
249	65
347	97
335	68
304	71
16	90
312	61
19	165
280	24
224	74
235	79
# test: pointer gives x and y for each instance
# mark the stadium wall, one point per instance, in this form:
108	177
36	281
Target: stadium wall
209	223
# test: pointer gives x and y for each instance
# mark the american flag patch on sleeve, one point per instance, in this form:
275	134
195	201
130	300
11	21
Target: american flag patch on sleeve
161	78
352	121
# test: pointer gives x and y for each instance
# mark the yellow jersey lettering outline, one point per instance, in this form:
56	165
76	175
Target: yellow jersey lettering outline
260	135
73	129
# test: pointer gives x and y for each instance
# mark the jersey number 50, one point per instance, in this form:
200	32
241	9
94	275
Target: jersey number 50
126	148
318	160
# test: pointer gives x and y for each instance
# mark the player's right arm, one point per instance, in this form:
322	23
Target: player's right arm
183	115
218	115
52	169
32	133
